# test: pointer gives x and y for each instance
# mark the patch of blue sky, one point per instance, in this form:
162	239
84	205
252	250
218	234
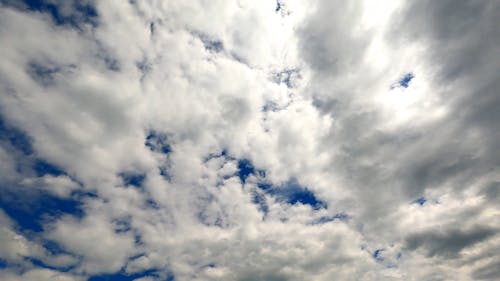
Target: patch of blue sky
151	203
133	179
223	153
260	200
31	211
54	248
83	11
327	219
42	168
41	264
158	142
122	225
15	137
303	196
293	193
123	276
420	201
164	172
246	168
20	141
405	81
43	74
290	192
377	255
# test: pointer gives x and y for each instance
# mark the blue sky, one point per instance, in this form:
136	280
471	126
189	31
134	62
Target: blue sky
249	140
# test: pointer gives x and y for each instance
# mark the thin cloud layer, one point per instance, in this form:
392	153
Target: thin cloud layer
249	140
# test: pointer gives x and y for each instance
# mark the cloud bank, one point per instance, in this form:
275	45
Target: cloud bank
249	140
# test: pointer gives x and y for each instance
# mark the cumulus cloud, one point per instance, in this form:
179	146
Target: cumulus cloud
249	140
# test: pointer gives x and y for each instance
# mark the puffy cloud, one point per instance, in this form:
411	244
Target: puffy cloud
249	140
39	274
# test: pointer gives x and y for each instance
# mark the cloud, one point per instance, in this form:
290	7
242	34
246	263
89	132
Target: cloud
449	243
39	274
249	140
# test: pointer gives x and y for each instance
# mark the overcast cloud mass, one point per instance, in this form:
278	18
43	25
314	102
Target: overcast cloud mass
245	140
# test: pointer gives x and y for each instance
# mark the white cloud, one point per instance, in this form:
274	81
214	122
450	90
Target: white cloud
39	275
308	94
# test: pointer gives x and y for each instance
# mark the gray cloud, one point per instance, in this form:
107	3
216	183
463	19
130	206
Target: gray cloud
488	272
338	54
447	243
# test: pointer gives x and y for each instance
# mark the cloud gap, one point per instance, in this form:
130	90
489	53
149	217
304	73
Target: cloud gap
15	137
327	219
259	199
405	81
158	142
43	168
54	248
293	193
42	74
419	201
377	255
39	263
246	168
133	179
72	14
32	211
124	276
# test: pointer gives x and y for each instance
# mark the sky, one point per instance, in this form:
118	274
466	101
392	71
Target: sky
246	140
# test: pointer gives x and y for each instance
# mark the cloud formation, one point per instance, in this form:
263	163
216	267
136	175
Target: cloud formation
249	140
